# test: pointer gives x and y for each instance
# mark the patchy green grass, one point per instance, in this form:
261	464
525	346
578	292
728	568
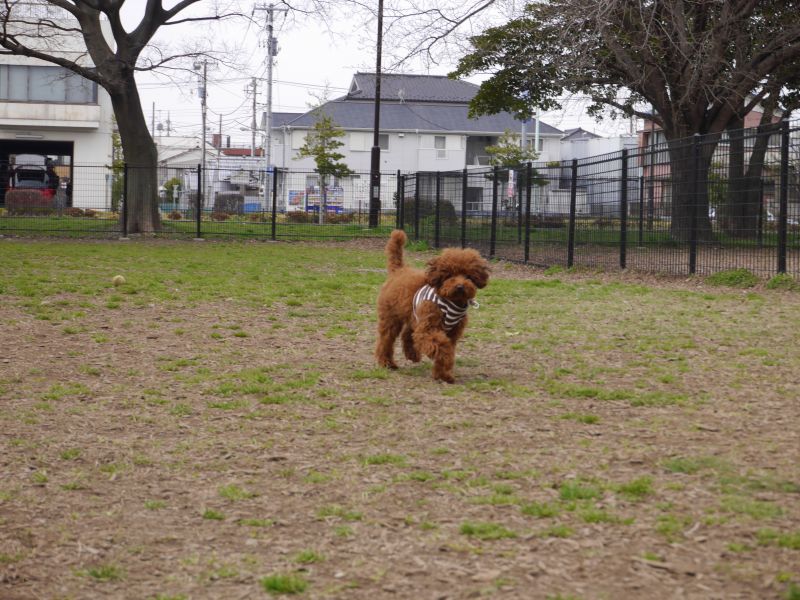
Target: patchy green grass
227	394
486	531
284	583
738	278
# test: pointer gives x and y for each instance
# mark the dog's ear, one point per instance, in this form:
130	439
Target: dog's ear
479	273
435	274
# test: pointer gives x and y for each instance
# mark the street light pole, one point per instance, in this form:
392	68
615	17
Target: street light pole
375	159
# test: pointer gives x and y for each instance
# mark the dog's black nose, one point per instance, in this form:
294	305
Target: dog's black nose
460	287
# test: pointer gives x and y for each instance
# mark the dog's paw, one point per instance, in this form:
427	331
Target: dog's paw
411	355
446	378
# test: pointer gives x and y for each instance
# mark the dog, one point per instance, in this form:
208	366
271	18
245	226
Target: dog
427	309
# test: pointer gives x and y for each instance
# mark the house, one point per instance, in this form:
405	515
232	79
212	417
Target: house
57	117
227	169
578	134
424	127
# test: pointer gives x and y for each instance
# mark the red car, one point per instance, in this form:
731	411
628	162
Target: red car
34	178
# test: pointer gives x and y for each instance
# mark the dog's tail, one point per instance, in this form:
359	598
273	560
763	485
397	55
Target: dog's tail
394	250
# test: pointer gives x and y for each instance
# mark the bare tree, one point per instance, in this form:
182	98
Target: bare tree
418	34
702	65
49	29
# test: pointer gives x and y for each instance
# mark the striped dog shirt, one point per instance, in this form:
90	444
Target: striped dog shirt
451	313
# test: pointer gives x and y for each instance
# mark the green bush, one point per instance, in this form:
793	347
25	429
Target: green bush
782	281
547	222
427	208
738	278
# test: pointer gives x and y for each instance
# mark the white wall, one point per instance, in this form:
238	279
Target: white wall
408	151
87	126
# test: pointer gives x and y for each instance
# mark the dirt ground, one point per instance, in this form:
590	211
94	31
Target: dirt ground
136	463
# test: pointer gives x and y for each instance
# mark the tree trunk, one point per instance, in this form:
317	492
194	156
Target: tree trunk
142	160
323	198
689	166
740	211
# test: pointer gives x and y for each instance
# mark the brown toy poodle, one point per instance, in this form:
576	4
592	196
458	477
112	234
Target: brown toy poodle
427	309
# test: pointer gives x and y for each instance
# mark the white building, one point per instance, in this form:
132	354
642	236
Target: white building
424	126
50	111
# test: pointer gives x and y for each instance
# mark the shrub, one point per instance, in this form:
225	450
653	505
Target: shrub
604	223
219	216
335	218
175	215
739	278
229	202
258	217
92	214
28	202
427	208
782	281
73	211
547	221
299	216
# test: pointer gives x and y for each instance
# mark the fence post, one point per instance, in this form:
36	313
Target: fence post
528	178
623	206
436	210
199	205
641	210
464	182
693	207
783	202
573	198
416	206
400	195
760	221
125	201
274	216
518	193
493	230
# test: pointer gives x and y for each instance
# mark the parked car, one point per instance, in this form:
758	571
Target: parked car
32	172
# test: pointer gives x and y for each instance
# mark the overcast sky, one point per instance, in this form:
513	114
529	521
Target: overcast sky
311	57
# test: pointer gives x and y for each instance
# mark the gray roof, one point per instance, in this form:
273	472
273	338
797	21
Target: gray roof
411	116
280	118
578	133
412	88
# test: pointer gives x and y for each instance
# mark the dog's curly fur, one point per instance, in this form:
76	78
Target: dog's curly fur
455	275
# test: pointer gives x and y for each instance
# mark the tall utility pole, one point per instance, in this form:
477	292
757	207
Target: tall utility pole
201	91
272	52
254	85
375	159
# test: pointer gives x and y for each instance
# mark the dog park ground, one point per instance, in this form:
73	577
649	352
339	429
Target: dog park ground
216	428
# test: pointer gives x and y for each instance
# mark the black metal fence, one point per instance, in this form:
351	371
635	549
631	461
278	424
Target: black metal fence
699	205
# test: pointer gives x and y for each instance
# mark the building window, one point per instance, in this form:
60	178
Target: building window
361	141
540	144
440	144
21	83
